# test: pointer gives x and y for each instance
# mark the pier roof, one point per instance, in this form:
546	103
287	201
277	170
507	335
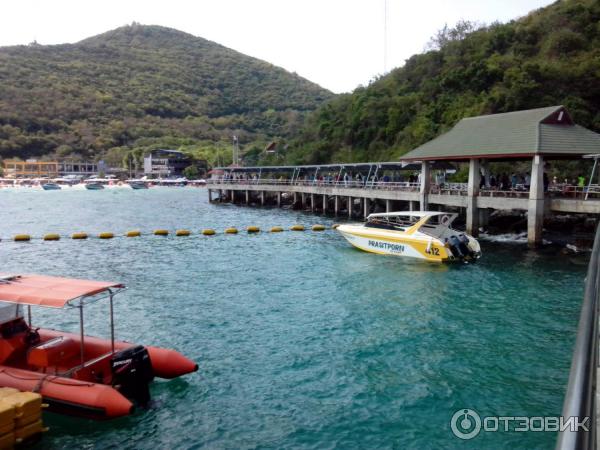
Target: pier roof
394	165
543	131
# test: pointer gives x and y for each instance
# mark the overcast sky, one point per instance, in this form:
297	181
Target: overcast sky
338	44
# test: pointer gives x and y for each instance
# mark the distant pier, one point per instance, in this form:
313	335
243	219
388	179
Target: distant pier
486	143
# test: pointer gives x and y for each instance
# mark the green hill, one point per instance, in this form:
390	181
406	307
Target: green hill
549	57
139	87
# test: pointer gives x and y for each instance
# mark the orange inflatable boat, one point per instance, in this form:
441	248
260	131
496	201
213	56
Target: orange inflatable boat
76	374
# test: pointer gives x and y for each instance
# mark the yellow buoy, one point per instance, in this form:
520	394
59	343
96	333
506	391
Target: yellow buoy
252	229
231	230
133	233
52	237
318	227
182	233
106	235
161	232
22	237
334	226
208	232
276	230
297	228
79	236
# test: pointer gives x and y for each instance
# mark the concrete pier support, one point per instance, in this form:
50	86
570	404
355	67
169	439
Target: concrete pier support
535	213
262	198
425	185
302	200
279	199
312	202
412	206
295	199
324	203
247	197
350	204
388	206
484	217
472	194
367	207
209	195
232	194
336	204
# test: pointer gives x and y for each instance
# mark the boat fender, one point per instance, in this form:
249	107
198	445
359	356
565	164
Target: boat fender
445	220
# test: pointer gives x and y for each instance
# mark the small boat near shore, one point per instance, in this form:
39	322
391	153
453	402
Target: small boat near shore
76	374
138	185
51	187
94	186
418	234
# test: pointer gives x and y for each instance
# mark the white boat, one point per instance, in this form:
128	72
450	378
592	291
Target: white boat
418	234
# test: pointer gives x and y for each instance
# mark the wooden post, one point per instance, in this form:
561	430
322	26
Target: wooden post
312	202
279	199
324	203
262	198
367	205
388	206
247	197
336	204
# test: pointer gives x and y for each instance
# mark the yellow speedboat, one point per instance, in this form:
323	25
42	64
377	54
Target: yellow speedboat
417	234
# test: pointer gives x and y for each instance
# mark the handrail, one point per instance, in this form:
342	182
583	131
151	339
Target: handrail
580	398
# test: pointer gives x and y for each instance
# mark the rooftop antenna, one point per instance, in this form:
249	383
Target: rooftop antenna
236	151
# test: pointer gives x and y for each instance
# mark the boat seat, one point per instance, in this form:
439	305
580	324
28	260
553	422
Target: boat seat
52	352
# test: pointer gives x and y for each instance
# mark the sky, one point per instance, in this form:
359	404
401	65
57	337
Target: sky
339	44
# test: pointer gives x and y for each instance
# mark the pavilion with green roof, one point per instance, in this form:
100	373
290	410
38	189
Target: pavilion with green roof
542	133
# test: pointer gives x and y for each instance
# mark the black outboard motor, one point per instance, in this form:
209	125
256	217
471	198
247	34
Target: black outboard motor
464	245
132	373
454	245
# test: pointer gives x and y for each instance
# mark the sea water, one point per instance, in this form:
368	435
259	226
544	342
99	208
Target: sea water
302	340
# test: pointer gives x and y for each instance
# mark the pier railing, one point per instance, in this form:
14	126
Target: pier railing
520	191
580	398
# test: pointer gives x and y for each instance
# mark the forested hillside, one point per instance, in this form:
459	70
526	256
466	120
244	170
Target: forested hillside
139	87
550	57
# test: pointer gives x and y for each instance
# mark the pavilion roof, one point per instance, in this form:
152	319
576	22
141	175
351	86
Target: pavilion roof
544	131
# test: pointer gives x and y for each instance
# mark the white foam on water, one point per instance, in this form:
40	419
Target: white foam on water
514	238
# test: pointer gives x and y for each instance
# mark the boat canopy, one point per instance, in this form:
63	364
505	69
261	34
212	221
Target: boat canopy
50	292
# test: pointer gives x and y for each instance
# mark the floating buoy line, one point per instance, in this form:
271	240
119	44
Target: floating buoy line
252	229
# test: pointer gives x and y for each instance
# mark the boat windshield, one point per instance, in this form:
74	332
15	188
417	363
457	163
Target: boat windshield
438	226
399	223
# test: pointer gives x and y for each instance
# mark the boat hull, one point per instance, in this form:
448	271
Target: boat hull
166	363
389	243
68	396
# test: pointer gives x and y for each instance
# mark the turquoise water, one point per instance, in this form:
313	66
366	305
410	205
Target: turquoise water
302	341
